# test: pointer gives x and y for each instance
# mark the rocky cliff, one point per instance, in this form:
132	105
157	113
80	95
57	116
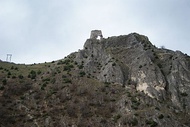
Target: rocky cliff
133	60
117	81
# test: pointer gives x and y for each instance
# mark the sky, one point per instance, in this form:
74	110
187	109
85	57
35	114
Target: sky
38	31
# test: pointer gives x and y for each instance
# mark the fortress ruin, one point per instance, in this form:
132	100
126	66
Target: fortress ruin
96	34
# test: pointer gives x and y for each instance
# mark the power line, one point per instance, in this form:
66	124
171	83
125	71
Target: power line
8	59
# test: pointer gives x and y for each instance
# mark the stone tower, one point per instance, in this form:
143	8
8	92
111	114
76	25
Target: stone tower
95	34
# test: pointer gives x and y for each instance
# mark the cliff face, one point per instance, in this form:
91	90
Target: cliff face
133	60
118	81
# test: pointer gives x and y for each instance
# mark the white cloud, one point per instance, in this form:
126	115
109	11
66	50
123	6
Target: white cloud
46	30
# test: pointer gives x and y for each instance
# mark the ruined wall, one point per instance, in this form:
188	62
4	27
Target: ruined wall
95	34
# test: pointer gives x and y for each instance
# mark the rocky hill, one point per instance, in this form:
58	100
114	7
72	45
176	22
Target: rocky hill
119	81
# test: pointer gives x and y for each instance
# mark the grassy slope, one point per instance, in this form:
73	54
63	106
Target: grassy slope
60	93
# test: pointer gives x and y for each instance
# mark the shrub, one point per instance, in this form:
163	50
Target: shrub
44	85
46	80
53	80
114	64
39	72
9	73
20	77
184	94
75	63
152	123
156	57
162	47
66	80
80	66
22	97
12	67
58	71
135	103
132	82
4	81
66	61
71	66
159	65
82	73
32	74
116	117
68	67
60	62
42	88
161	116
13	77
2	88
64	76
129	94
157	108
134	122
107	83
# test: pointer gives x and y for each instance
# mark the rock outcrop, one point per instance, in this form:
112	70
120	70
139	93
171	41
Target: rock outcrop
133	60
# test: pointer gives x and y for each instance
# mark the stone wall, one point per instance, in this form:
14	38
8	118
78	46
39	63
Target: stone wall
95	34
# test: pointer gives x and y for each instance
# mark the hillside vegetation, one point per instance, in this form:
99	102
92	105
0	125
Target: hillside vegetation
120	81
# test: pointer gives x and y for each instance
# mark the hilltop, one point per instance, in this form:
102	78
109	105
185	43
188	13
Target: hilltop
115	81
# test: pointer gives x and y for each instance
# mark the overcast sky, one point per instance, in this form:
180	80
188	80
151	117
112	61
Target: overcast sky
35	31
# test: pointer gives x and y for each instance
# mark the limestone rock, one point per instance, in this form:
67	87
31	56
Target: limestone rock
133	60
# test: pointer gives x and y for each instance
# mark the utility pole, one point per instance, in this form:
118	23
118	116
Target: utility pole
8	59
